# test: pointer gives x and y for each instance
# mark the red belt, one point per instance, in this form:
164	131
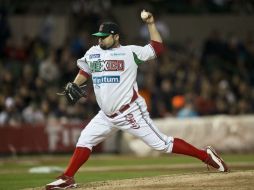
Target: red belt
124	107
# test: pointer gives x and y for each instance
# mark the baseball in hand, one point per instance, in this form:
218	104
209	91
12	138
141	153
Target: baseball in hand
144	15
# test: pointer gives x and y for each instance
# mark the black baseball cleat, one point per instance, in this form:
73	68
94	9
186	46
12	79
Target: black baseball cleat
215	160
62	182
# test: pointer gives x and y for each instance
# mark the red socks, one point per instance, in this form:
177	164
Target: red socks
182	147
79	157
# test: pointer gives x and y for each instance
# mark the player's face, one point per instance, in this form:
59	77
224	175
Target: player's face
108	42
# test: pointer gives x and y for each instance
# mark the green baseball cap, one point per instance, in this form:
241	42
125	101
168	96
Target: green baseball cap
106	29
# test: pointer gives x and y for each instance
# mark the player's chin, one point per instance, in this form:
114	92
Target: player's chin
103	46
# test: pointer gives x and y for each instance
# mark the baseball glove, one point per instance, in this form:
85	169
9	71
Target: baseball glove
73	92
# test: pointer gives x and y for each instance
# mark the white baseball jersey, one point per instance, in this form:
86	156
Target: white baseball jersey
114	73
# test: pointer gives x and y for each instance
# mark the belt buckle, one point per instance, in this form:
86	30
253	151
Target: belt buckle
118	112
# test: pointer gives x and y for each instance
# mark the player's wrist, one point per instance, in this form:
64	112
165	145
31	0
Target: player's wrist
150	23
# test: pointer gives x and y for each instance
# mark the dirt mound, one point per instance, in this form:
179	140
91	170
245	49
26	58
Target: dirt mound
234	180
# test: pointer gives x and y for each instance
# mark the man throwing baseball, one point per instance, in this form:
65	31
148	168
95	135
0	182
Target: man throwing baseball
113	70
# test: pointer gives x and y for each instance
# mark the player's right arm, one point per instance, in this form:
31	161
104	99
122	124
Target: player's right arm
80	78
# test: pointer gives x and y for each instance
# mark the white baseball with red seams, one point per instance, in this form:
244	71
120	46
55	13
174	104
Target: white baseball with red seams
114	73
144	15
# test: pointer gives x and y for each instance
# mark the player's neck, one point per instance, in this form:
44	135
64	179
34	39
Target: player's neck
116	45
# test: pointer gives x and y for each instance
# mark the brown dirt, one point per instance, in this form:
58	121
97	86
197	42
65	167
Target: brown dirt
238	180
234	180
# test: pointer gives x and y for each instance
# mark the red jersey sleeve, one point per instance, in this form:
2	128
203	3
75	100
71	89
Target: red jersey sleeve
158	47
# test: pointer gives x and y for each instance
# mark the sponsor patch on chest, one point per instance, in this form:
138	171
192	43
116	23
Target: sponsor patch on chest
94	56
106	65
106	79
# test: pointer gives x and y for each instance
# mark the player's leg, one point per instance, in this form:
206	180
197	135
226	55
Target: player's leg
208	156
150	134
182	147
95	132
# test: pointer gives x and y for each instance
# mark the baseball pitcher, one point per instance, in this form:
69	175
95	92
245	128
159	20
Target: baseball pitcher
113	71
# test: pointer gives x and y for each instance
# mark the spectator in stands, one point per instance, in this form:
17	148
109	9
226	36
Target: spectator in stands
188	109
79	44
165	94
49	70
47	27
66	60
247	54
205	102
32	114
212	51
10	115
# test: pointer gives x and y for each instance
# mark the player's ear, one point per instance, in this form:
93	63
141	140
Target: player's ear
116	37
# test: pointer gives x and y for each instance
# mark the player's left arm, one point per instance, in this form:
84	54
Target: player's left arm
75	90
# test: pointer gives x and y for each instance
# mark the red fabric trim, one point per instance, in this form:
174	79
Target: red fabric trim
79	157
182	147
127	106
85	74
158	47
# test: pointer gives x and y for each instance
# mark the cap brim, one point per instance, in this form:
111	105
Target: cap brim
101	34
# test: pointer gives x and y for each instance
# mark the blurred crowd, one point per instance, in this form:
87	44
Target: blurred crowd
186	81
170	6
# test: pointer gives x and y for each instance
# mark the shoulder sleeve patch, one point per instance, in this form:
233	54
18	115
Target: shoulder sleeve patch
136	59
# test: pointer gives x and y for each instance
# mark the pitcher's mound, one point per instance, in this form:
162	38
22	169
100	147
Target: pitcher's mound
195	181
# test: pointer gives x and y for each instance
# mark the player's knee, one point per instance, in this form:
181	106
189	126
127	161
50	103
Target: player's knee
85	143
165	146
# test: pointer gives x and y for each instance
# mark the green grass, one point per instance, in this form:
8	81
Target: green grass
14	171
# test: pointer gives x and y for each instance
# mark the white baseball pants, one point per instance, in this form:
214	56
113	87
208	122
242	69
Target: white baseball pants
135	120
